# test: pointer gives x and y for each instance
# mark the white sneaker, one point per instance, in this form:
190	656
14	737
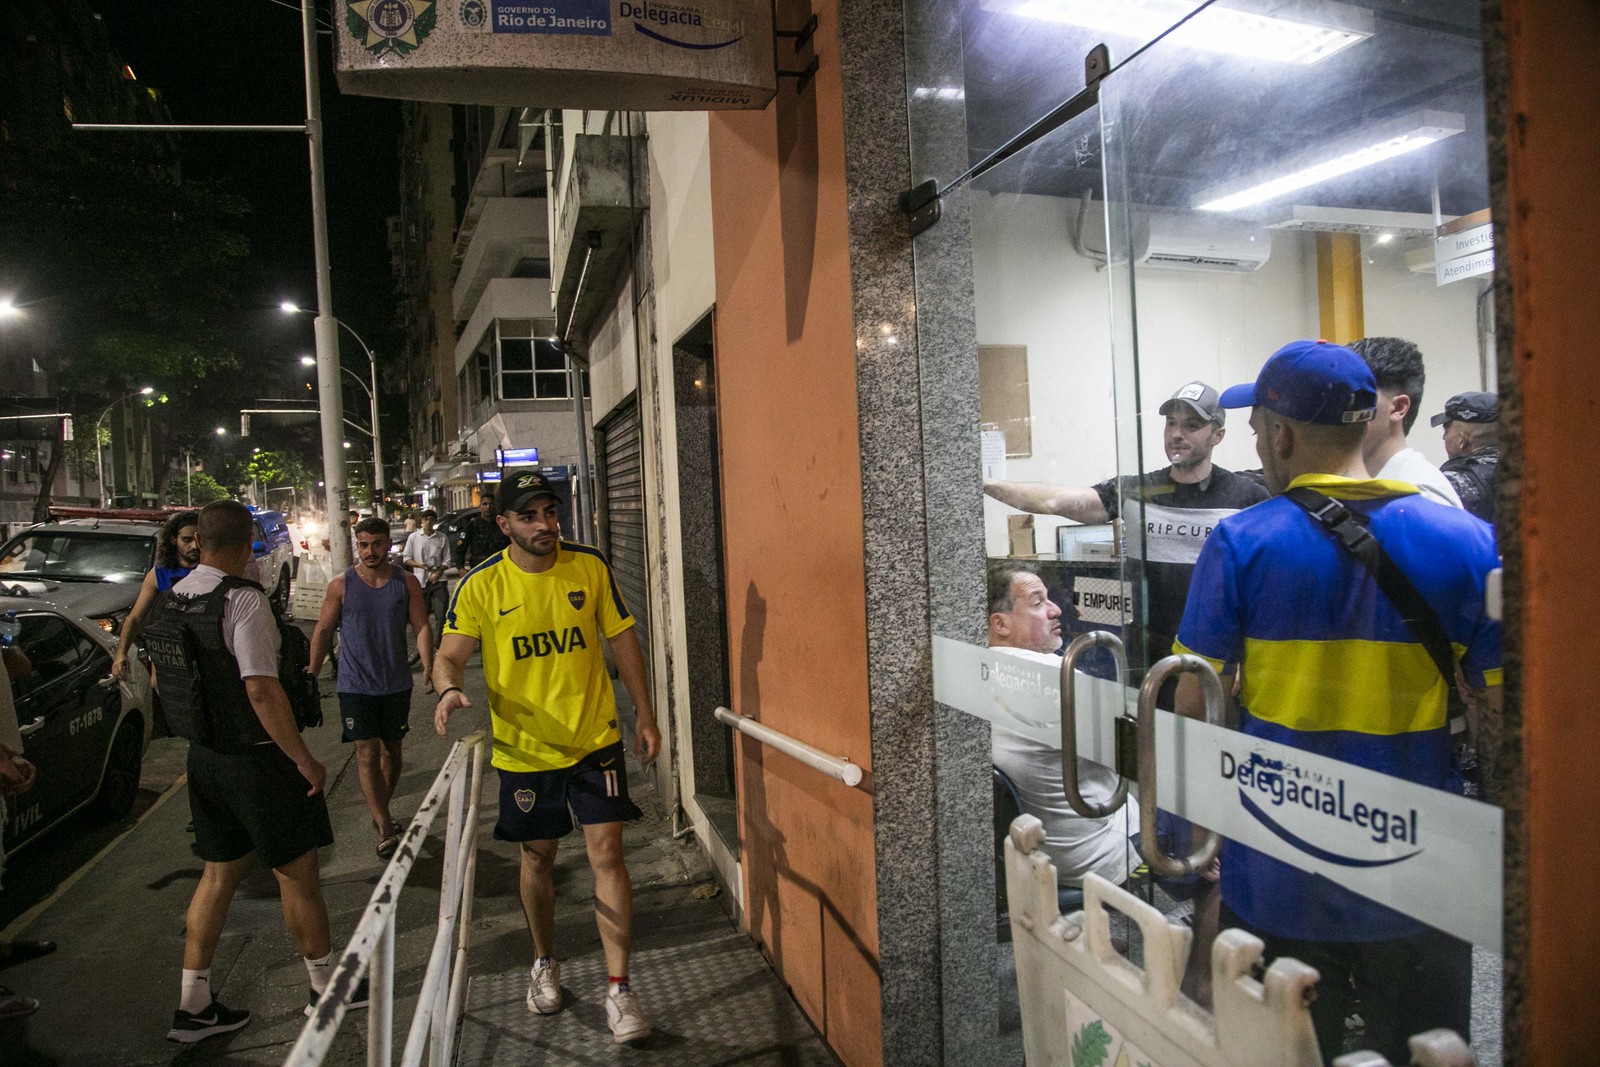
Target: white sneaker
626	1020
544	988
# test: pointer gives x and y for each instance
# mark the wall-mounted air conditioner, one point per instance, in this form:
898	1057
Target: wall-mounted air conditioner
1176	240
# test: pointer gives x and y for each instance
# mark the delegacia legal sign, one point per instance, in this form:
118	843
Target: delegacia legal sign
1285	800
1391	840
597	54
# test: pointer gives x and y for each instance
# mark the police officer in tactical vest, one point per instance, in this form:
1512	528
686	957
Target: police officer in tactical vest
254	786
1471	424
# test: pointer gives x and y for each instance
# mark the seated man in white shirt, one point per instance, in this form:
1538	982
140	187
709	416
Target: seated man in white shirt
1397	366
1022	617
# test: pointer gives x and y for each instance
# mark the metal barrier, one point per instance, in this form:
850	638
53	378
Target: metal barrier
815	758
371	948
1077	991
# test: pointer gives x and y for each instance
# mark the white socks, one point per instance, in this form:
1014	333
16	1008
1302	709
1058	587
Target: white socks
196	996
320	971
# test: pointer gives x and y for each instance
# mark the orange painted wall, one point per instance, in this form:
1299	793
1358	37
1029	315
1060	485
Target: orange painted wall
1553	156
791	500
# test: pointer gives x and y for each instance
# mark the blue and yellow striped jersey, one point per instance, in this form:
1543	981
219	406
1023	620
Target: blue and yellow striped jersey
549	693
1328	665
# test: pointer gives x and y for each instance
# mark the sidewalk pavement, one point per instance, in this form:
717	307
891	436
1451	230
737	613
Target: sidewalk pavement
107	994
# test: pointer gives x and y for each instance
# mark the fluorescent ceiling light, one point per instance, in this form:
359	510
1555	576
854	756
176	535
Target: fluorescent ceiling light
1360	148
1348	220
945	92
1314	31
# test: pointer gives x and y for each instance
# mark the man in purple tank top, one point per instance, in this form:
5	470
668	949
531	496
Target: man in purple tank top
370	605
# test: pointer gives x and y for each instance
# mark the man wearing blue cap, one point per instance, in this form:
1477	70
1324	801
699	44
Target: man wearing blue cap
1285	600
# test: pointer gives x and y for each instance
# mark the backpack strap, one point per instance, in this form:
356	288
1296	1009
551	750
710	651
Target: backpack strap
230	581
1350	530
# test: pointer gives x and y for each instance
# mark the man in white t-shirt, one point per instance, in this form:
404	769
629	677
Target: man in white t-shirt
1022	617
427	550
254	786
427	554
1397	365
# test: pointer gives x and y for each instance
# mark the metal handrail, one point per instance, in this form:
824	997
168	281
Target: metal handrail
1154	679
371	948
834	767
1069	722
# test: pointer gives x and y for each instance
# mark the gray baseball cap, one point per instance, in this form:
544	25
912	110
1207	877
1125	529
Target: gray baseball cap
1201	398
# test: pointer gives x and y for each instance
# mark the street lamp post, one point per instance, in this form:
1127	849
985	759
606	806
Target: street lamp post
188	469
99	450
372	396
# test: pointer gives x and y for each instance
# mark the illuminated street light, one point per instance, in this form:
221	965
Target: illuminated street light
289	307
100	455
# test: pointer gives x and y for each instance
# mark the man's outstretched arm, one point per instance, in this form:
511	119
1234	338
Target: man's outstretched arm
1042	498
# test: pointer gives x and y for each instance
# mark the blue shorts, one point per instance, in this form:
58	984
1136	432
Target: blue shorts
534	805
375	718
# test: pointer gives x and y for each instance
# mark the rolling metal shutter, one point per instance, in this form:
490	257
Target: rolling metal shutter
622	492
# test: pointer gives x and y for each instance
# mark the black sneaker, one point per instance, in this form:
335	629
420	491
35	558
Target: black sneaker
188	1028
358	999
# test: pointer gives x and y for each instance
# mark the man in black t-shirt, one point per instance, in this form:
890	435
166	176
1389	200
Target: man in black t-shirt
481	536
1169	512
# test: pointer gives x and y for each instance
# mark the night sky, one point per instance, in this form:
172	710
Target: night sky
240	62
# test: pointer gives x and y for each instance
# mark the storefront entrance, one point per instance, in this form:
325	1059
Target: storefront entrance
1216	184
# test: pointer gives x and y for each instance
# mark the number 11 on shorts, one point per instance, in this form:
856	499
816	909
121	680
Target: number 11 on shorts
611	783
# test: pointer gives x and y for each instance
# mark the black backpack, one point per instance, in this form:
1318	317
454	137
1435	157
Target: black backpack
294	656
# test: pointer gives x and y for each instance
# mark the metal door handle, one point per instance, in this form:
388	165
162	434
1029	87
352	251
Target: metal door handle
31	728
1149	847
1069	723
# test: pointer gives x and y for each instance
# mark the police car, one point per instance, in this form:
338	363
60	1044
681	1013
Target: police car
89	561
86	732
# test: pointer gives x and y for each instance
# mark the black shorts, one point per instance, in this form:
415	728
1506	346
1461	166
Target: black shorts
254	801
534	804
368	718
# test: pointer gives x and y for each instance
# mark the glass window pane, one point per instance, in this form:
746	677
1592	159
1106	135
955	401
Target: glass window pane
516	386
548	356
516	355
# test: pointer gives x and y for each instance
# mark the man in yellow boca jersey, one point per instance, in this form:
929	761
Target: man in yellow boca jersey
539	610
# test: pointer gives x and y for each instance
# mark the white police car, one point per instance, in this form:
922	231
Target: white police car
85	732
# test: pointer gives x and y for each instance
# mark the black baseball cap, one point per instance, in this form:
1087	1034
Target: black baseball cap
518	487
1469	407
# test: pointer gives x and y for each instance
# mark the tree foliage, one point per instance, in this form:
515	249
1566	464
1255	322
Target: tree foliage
272	470
205	490
122	271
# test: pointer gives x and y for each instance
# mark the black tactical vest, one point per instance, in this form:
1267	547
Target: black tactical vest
1474	480
197	678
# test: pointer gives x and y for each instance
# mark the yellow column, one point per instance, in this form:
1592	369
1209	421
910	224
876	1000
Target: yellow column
1339	287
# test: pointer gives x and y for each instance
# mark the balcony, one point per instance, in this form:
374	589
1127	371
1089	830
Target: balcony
509	230
503	298
595	216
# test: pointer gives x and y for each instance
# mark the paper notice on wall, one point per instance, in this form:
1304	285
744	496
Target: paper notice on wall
994	454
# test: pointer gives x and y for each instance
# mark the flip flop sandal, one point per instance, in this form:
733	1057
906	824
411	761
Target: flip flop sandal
387	846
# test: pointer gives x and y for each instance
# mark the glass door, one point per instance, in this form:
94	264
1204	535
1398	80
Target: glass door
1276	179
